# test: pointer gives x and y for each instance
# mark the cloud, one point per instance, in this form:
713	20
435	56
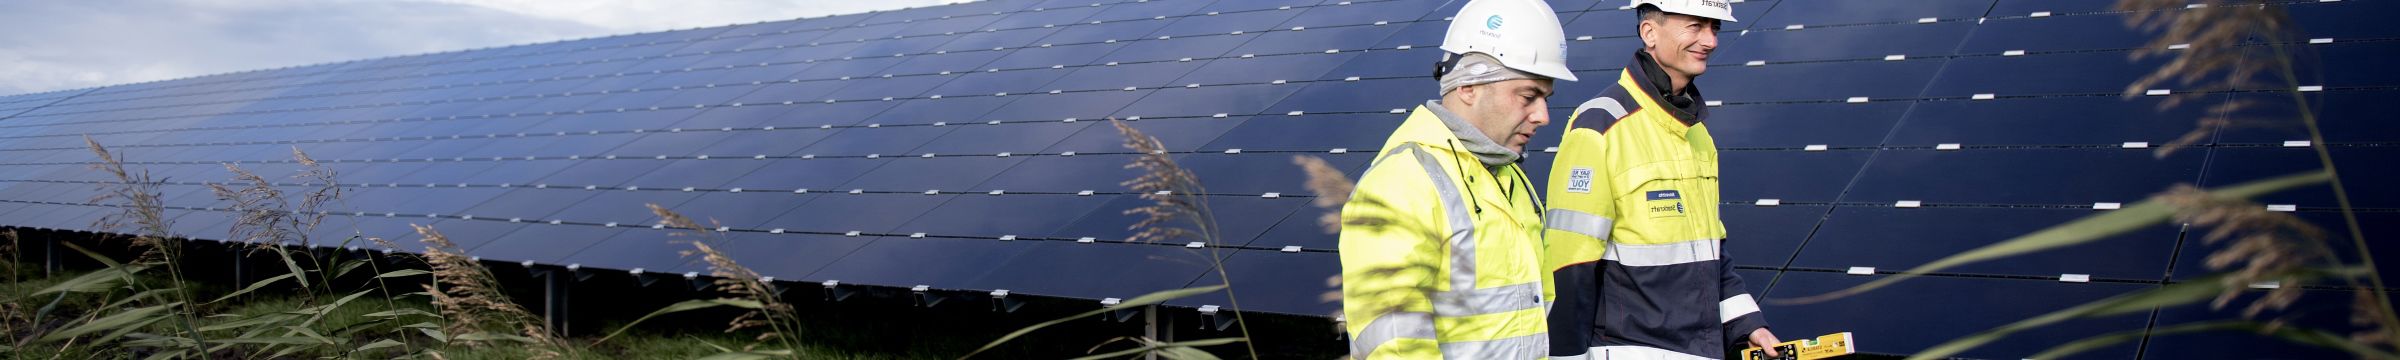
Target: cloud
58	45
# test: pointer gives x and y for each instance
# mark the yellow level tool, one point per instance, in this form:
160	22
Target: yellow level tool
1822	347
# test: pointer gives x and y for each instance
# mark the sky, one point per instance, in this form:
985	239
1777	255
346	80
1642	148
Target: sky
72	44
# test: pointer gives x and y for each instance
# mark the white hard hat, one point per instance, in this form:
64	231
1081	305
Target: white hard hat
1523	34
1722	10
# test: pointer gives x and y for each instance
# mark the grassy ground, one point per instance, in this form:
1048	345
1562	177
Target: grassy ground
659	342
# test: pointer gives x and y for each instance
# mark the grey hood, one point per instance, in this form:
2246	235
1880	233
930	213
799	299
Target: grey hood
1487	151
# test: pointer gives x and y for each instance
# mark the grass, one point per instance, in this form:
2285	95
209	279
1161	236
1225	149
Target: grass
658	342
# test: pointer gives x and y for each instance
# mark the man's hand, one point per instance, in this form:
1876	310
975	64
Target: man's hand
1763	339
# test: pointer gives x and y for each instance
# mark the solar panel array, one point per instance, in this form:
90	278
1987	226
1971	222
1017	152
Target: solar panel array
964	147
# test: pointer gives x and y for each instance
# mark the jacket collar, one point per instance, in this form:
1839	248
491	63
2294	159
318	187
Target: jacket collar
1654	82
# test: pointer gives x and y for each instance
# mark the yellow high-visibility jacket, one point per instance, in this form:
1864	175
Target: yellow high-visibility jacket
1441	255
1635	242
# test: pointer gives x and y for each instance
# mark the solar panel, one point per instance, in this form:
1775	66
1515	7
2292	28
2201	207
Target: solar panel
961	147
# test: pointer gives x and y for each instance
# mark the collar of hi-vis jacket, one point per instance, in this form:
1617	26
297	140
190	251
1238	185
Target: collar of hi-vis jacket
1654	84
1488	152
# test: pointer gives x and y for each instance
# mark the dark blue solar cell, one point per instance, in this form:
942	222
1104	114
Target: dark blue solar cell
515	173
1317	40
697	174
788	256
1800	176
810	116
1303	228
985	41
1363	13
1361	133
962	109
1225	22
1599	61
440	201
654	252
1230	7
2192	263
1422	33
1146	10
1013	82
1239	99
1181	134
1119	30
1251	174
976	139
2346	116
603	172
2332	65
394	230
1606	22
1379	96
1386	62
959	62
1059	107
885	141
2340	20
1143	75
1267	68
528	203
2092	32
1832	12
743	210
1101	270
2007	8
669	143
1274	282
2097	73
2022	176
1800	125
1064	174
198	224
956	173
1051	15
737	117
1191	47
897	86
1238	219
1848	42
1767	235
1896	328
2357	165
2047	121
857	67
543	243
1897	239
899	261
2318	310
626	208
868	213
470	234
1819	81
992	216
818	174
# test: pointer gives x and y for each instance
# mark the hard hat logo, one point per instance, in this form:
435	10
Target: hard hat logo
1492	23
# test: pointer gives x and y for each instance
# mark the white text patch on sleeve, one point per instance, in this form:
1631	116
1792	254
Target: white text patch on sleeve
1579	180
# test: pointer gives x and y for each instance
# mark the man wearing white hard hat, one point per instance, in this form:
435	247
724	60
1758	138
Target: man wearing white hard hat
1634	241
1441	245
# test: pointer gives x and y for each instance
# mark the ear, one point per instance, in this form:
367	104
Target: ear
1470	95
1648	31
